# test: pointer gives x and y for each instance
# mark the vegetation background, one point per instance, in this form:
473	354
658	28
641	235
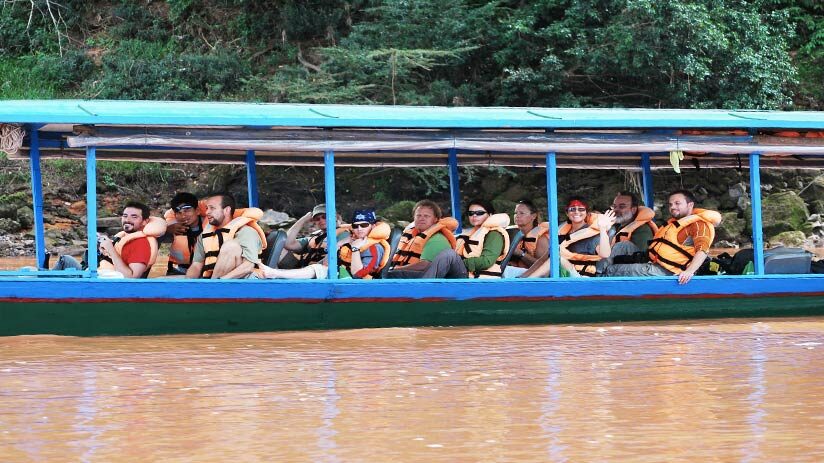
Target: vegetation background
754	54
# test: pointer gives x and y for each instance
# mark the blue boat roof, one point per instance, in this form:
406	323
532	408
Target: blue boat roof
179	113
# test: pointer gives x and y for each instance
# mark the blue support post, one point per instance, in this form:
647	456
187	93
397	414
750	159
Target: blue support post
91	208
646	181
251	178
552	203
455	187
331	213
755	203
37	197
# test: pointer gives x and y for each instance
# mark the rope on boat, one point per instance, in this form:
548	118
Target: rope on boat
11	138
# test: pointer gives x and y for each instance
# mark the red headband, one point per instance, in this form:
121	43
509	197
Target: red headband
576	202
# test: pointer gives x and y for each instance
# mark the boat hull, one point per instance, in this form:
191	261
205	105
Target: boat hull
131	307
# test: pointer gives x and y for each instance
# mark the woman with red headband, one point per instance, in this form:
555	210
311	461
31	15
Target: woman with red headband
585	237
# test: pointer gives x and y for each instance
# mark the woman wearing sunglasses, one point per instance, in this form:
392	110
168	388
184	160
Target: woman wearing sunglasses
362	255
479	250
585	237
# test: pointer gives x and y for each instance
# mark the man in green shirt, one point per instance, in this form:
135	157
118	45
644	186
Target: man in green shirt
417	249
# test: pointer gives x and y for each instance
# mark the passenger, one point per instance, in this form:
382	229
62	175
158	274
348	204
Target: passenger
478	252
535	241
185	222
680	246
366	252
428	235
362	255
585	237
633	222
310	249
132	252
231	243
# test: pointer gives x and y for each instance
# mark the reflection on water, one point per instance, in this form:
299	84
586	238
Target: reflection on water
742	391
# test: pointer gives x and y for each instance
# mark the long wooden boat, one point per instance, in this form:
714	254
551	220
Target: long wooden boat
81	303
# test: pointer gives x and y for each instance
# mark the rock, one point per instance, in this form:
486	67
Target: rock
790	239
725	244
9	226
813	241
8	211
784	211
738	190
743	203
732	228
814	190
272	217
817	206
25	215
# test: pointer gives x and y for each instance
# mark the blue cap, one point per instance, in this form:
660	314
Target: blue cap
364	215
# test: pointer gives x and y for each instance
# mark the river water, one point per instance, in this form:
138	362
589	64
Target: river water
719	391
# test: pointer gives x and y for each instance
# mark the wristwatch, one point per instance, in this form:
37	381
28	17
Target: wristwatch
355	249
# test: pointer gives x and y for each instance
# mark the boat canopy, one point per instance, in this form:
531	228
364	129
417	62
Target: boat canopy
299	134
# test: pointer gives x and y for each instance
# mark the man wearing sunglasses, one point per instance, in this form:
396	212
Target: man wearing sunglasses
184	223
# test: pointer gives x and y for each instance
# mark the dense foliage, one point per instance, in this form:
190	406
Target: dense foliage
641	53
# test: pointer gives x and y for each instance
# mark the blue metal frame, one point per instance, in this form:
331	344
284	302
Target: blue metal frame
251	179
91	209
755	204
37	196
552	205
49	287
455	187
331	213
646	179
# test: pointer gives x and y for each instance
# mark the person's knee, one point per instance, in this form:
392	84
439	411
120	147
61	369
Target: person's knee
230	248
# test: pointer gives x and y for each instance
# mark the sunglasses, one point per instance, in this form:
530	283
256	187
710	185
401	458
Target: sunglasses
475	213
183	208
361	225
576	209
319	217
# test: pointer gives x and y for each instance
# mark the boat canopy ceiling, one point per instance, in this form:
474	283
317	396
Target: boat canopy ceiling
289	134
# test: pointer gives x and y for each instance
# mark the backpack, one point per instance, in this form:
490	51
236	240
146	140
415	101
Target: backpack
740	260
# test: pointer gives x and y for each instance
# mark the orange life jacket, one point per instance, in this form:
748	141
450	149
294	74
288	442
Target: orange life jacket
584	263
213	238
666	251
412	242
529	242
154	228
316	246
379	235
643	217
471	243
183	246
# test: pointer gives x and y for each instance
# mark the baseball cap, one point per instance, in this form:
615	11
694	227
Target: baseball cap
319	209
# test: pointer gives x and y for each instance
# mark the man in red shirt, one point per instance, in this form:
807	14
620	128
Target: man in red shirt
130	253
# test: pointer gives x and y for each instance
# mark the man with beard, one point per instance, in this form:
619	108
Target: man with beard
633	222
130	252
679	247
230	244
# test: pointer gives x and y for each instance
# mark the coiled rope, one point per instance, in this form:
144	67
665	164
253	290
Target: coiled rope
11	138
